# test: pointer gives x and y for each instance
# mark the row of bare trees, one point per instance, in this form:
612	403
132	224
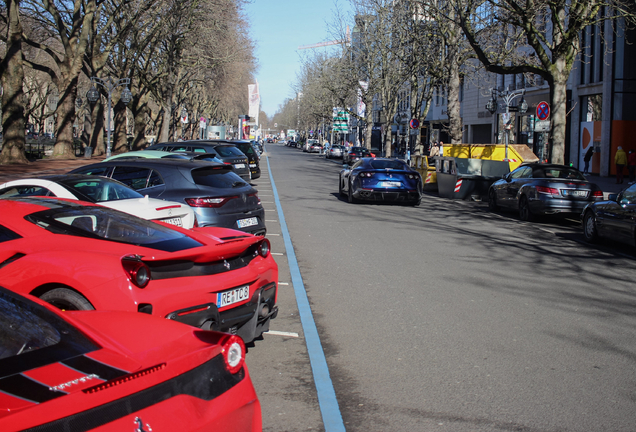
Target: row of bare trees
192	54
411	49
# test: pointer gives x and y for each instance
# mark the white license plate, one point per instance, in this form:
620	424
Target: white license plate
252	165
242	223
239	165
236	295
388	184
173	221
576	193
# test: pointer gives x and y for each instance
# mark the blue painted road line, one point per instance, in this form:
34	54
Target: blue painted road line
327	400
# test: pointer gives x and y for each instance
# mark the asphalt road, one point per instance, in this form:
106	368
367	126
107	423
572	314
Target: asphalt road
443	317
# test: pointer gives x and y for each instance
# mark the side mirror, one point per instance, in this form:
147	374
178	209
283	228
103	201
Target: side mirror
507	177
613	197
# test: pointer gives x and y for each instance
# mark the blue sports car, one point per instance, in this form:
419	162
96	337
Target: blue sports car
381	179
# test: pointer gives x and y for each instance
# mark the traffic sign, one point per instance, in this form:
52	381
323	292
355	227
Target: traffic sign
414	123
543	111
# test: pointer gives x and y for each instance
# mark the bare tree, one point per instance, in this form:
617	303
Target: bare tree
538	37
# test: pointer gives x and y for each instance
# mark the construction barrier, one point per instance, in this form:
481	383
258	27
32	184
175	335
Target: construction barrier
429	175
461	178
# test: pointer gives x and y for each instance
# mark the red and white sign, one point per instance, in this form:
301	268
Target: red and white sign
458	185
543	110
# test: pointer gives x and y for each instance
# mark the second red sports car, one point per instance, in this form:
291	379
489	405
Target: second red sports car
80	256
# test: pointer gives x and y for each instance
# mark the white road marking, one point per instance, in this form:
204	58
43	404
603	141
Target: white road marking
281	333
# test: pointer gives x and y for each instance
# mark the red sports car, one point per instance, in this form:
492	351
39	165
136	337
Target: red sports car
78	371
78	256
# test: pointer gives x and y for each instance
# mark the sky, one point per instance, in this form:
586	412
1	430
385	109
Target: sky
278	28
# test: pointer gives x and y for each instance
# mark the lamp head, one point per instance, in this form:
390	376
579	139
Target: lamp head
92	95
126	96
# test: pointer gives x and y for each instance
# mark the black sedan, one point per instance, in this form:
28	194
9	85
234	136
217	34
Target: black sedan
217	195
381	179
543	189
355	154
614	219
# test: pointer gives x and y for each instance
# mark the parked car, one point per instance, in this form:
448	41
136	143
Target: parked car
334	152
81	256
118	371
159	154
614	219
355	154
216	194
228	153
315	148
253	157
309	143
292	143
103	191
543	189
381	179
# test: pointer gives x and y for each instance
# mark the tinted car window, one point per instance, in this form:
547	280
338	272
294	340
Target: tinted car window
629	195
523	172
100	189
217	178
562	173
155	179
24	191
107	224
6	234
97	170
226	151
247	149
31	336
136	178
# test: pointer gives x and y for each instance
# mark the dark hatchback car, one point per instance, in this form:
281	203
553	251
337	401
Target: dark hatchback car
543	189
381	179
355	154
225	151
216	194
614	219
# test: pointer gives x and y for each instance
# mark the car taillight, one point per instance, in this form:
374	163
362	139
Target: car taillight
263	248
233	349
256	196
136	270
597	194
366	174
547	190
208	202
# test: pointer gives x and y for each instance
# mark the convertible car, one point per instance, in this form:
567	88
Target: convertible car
543	189
104	191
81	256
614	219
381	179
118	371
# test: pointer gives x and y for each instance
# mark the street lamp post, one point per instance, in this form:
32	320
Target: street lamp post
508	97
109	85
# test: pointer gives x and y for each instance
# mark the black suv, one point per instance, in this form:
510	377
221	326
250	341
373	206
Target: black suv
246	147
224	150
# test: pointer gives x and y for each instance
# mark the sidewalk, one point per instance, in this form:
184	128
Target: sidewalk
43	167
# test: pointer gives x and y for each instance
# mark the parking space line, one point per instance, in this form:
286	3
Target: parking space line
281	333
329	408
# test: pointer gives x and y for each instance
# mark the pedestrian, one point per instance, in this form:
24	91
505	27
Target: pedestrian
631	166
435	150
441	148
620	159
587	158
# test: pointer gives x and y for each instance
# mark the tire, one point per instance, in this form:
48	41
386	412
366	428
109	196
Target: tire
340	191
589	227
416	203
350	196
524	210
66	299
492	201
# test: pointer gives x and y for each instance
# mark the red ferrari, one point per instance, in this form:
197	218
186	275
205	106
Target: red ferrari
78	371
79	256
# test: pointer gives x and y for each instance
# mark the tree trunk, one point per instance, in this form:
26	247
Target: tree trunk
164	135
13	123
455	131
65	119
139	134
558	113
97	131
120	137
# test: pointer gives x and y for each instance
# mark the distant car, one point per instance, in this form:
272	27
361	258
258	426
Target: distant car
613	219
315	148
216	194
228	153
334	152
292	143
81	256
355	154
310	142
118	371
103	191
159	154
543	189
247	148
381	179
